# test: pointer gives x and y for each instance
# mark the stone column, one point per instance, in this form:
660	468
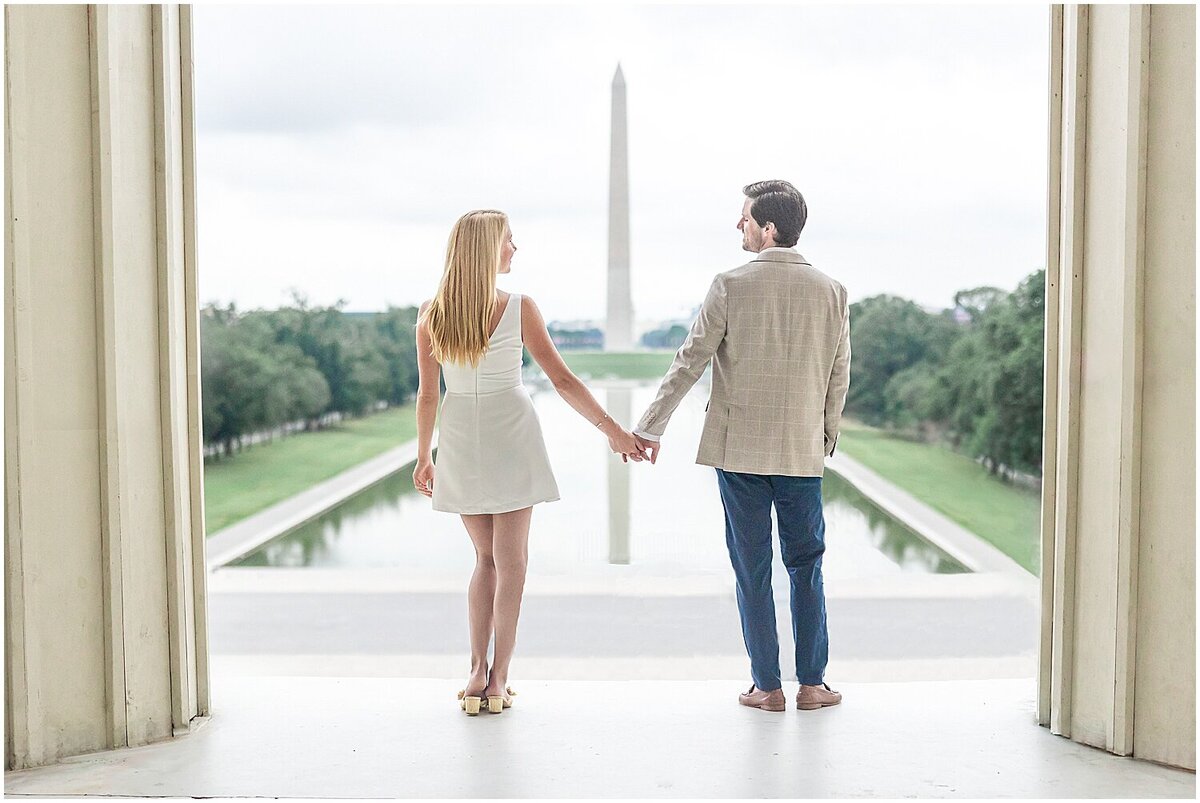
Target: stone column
618	332
105	630
1118	668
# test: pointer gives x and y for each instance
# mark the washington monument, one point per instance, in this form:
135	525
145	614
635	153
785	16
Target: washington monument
618	332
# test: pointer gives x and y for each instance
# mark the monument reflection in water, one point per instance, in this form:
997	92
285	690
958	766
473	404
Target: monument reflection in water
614	517
620	407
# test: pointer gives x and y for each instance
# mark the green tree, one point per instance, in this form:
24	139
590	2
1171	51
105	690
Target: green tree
669	338
346	351
888	335
993	376
976	301
398	346
1010	431
237	373
916	397
972	374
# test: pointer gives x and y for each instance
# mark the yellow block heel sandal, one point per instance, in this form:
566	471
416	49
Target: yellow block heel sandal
497	704
469	703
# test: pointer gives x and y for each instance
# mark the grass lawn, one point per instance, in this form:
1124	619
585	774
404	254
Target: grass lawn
240	486
956	486
631	365
244	484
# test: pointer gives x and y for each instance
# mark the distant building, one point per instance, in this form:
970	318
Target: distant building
573	335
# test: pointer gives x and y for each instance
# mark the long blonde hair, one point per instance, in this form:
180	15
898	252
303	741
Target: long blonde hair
460	316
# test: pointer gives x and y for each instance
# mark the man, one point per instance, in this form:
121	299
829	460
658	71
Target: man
778	334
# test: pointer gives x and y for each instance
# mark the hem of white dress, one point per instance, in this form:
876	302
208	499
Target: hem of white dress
493	511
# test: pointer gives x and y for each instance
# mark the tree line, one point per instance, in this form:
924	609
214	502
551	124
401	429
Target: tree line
670	337
265	369
970	376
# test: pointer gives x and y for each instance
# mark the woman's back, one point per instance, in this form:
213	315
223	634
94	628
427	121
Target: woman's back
500	367
491	455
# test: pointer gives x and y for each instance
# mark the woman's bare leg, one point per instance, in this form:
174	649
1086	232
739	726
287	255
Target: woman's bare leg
480	599
511	541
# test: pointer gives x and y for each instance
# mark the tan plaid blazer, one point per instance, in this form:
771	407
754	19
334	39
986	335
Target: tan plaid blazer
777	331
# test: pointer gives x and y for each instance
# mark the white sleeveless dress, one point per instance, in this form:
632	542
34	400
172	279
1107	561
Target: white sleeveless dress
491	456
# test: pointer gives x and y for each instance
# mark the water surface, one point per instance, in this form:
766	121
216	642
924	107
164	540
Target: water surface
664	519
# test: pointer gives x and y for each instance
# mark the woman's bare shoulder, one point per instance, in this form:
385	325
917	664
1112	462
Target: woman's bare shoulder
528	307
422	323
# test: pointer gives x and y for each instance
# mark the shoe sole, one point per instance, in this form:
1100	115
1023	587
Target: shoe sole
815	706
766	707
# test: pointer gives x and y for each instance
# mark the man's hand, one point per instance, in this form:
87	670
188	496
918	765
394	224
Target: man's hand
650	447
627	445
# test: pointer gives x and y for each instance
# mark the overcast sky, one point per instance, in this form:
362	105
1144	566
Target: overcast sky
337	145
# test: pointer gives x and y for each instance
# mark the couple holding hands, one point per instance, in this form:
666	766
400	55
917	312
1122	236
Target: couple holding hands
777	332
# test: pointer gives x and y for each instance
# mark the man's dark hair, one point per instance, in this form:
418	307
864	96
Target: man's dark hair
780	203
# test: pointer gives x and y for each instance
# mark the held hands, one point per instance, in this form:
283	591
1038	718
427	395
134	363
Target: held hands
649	448
624	443
423	477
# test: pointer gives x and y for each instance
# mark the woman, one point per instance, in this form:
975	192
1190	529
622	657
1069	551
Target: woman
492	466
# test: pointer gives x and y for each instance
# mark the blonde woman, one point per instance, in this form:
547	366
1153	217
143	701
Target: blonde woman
492	466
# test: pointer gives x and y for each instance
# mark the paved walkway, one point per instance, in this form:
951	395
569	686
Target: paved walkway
598	635
247	535
360	737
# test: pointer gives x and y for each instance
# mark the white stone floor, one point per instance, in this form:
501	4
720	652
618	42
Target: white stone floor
395	737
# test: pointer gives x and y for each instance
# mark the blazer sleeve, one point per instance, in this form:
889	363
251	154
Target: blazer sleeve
839	384
693	357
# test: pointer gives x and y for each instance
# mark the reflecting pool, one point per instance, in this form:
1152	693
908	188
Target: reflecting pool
658	520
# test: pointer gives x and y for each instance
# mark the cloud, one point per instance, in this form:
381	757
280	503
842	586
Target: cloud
336	145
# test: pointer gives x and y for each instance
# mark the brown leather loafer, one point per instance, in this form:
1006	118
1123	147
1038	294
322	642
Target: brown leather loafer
763	700
810	698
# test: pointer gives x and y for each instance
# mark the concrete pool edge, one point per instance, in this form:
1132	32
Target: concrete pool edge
960	543
242	538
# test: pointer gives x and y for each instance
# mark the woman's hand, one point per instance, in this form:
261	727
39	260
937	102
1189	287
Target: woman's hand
423	477
623	442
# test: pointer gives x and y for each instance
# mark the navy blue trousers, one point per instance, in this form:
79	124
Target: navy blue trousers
748	499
